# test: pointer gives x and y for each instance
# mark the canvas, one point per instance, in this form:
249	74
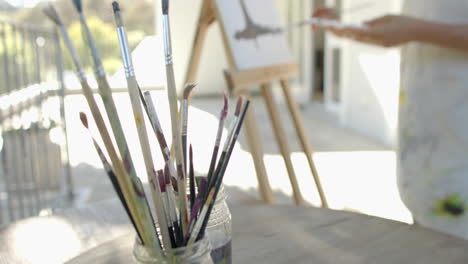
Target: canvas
253	32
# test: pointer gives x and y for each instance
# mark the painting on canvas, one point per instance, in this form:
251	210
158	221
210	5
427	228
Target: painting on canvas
253	31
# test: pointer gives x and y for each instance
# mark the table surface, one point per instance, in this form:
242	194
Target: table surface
261	234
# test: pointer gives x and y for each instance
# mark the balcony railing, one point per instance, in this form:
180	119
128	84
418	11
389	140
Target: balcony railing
34	168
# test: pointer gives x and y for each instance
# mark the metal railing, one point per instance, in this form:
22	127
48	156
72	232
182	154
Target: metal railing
34	168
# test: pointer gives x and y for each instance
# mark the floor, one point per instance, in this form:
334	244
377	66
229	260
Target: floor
357	173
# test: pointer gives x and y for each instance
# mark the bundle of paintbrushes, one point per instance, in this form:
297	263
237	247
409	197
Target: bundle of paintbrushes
181	217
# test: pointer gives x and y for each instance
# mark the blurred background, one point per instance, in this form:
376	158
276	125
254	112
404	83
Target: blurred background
348	93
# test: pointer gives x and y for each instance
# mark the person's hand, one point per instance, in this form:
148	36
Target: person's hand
324	12
386	31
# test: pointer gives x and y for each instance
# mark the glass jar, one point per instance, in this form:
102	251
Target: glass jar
198	253
219	230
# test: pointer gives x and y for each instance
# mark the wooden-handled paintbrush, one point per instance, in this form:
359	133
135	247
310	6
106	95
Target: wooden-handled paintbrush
154	120
212	178
167	205
176	136
184	112
219	134
132	194
106	96
191	179
98	67
110	173
170	170
172	202
140	124
223	163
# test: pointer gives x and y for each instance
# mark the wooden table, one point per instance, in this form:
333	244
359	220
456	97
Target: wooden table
269	234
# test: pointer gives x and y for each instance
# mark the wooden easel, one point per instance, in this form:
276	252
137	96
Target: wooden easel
239	83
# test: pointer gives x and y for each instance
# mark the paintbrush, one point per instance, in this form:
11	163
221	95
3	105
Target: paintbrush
110	173
154	120
167	205
98	68
140	124
196	226
172	96
172	203
184	111
191	179
132	193
223	163
219	134
322	22
231	130
106	96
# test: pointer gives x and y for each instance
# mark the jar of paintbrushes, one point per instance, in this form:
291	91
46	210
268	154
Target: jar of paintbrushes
197	253
189	223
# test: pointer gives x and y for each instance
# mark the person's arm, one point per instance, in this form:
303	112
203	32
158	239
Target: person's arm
453	36
393	30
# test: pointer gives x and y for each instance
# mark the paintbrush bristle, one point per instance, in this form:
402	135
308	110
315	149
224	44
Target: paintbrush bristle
115	6
117	15
188	90
78	6
51	13
165	7
239	106
225	107
84	119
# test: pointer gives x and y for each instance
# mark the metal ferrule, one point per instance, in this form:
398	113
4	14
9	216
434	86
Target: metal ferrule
125	51
167	40
99	70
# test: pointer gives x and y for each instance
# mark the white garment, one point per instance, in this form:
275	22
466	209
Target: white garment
433	132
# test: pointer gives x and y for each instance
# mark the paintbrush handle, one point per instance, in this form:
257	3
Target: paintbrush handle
130	191
98	67
214	155
223	165
321	22
106	95
147	157
137	207
176	140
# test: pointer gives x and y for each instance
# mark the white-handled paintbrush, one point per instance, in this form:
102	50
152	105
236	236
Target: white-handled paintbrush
176	136
231	130
184	112
219	134
134	92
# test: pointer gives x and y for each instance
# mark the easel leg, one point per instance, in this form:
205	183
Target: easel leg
204	21
253	139
295	113
281	138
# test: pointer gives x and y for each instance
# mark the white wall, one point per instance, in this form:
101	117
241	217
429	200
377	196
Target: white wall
369	78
